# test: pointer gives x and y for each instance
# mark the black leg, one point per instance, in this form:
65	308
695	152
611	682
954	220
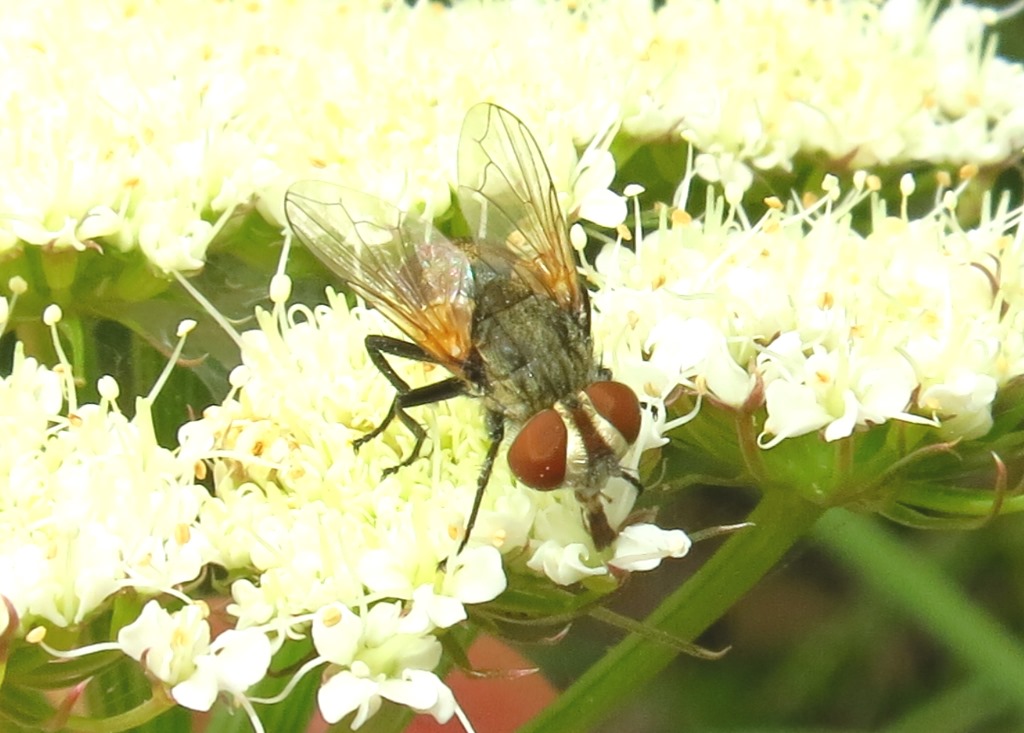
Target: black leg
496	432
632	480
376	348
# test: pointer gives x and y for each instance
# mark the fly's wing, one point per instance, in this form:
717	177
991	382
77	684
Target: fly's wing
396	262
510	202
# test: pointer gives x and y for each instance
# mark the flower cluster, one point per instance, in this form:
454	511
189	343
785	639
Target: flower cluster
825	318
315	526
92	503
94	508
917	320
200	123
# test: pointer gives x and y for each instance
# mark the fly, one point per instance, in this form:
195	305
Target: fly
505	313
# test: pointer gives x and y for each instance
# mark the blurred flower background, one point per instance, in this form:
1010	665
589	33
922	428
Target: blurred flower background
802	225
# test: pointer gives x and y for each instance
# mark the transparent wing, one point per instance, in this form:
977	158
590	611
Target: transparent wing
396	262
510	202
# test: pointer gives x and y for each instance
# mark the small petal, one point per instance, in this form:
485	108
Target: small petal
564	565
344	693
643	546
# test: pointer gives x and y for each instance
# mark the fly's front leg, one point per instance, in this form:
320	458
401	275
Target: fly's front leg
405	397
496	432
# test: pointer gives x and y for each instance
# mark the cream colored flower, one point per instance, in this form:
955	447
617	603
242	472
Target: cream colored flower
316	526
92	503
917	321
209	116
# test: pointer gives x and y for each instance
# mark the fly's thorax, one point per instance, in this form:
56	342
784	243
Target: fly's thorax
531	352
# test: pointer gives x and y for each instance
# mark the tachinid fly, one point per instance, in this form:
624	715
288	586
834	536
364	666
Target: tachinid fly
504	312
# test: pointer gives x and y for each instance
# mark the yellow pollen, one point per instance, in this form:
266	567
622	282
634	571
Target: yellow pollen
454	532
330	616
773	202
36	635
199	470
943	179
182	534
632	318
179	639
826	300
499	537
809	199
658	281
623	231
681	218
968	171
874	183
823	377
74	420
257	448
772	226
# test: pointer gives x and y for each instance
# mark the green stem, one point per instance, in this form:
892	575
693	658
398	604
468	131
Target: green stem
969	706
917	587
133	718
780	521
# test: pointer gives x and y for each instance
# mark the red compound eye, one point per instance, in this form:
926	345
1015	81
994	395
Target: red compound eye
537	455
617	404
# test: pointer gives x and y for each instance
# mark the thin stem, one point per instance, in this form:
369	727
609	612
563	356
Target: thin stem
133	718
780	520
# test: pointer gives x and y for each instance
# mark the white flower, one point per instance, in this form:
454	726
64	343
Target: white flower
234	662
370	649
643	546
368	556
592	198
355	690
92	502
563	564
177	650
916	321
185	132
